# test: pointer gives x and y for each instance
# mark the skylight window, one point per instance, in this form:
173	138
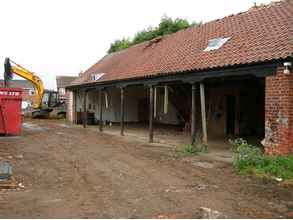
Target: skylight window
216	43
97	76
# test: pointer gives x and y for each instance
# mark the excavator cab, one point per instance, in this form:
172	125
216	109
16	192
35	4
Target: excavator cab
51	101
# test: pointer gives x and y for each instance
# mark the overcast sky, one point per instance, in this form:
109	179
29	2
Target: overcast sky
64	37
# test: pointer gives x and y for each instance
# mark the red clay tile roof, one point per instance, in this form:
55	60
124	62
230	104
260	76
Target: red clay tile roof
261	34
18	83
63	81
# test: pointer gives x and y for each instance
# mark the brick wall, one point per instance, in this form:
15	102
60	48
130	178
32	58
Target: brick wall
279	113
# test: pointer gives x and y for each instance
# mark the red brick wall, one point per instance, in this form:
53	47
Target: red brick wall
279	113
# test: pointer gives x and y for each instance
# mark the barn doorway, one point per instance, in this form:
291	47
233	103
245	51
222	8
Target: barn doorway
231	114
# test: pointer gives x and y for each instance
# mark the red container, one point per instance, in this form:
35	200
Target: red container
10	111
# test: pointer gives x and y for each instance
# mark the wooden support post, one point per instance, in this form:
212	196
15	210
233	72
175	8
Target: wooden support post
122	109
155	101
84	118
75	107
106	99
193	112
151	116
166	99
203	114
101	111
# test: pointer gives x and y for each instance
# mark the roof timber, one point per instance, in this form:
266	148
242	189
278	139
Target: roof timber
258	70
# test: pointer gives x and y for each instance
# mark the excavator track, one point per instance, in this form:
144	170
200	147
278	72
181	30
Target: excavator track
41	113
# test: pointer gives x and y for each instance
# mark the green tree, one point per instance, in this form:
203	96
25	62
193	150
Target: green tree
169	26
119	45
144	35
166	26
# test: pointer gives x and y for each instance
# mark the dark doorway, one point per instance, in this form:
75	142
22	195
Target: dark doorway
143	110
231	114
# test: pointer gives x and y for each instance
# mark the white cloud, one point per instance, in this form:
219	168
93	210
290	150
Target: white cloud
56	37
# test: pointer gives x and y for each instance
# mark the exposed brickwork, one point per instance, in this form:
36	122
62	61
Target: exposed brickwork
279	113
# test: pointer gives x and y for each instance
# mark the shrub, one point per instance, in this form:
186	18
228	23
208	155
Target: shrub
246	155
251	159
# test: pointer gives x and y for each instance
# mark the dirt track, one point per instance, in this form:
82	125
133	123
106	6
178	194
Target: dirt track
70	172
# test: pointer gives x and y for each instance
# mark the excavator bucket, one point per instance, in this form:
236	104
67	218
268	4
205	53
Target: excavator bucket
8	75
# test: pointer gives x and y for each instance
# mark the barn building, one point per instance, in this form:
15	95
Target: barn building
225	78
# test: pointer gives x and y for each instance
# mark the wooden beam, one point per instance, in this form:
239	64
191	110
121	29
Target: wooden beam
122	109
84	118
203	114
193	112
258	70
101	111
151	114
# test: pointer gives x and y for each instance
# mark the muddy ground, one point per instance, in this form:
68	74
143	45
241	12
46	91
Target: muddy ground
71	172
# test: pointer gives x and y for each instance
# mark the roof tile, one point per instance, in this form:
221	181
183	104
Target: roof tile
261	34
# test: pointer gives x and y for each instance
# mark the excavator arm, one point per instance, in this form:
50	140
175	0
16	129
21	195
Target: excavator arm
14	68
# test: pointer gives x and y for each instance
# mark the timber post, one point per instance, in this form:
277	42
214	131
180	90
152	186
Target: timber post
122	110
203	113
74	106
151	114
101	110
84	118
193	112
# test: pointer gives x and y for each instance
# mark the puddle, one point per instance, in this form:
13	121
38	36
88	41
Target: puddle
51	200
60	133
9	137
31	126
64	125
203	164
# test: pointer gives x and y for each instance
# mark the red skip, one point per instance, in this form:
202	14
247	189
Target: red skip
10	111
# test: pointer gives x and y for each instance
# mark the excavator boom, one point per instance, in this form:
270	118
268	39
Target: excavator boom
28	75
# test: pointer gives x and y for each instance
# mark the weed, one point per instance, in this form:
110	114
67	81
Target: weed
189	149
196	147
250	159
199	145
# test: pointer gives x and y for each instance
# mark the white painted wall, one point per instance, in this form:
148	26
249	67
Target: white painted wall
171	116
69	108
132	97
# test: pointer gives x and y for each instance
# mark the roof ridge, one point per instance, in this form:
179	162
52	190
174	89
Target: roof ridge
65	76
254	8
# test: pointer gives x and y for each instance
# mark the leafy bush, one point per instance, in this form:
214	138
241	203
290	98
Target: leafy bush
251	159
